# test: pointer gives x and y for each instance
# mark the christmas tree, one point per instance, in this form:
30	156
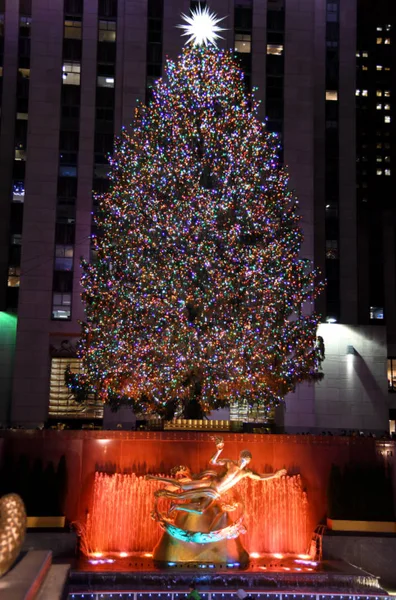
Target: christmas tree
198	296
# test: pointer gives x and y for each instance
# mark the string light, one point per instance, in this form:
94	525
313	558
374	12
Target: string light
198	289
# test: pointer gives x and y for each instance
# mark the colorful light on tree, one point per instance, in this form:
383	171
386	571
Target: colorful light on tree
198	291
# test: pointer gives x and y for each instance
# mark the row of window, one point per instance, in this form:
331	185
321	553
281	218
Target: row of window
71	75
106	31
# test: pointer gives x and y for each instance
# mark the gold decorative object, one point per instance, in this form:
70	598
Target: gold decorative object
12	530
197	526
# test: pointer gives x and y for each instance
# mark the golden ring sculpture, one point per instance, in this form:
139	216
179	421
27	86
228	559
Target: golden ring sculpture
12	530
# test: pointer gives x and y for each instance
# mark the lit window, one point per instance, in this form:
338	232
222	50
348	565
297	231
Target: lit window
20	153
364	92
379	158
332	249
388	27
357	92
379	145
18	191
387	68
61	306
107	82
365	54
14	276
379	67
72	30
243	43
25	73
379	171
331	95
387	119
387	159
63	258
62	404
107	31
387	93
379	93
71	73
391	375
386	106
376	312
364	68
379	40
379	106
387	172
276	49
357	54
387	41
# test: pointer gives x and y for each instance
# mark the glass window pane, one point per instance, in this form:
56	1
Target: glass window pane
275	49
243	43
71	73
63	264
72	30
67	171
107	82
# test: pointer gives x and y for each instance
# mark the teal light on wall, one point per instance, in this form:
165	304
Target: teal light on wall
8	327
8	321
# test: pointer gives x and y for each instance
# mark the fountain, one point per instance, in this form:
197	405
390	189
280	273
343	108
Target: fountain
274	510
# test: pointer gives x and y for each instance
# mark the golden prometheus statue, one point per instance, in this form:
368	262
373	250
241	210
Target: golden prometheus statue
197	526
12	530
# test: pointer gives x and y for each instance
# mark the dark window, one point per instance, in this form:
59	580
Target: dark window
107	8
67	187
72	49
74	7
63	281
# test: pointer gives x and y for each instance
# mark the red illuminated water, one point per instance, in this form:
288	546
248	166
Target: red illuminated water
276	516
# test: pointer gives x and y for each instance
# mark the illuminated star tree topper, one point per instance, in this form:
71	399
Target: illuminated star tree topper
202	27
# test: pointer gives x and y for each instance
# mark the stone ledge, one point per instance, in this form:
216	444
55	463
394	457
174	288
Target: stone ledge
25	579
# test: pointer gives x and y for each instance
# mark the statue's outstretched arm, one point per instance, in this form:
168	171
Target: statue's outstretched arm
267	476
219	449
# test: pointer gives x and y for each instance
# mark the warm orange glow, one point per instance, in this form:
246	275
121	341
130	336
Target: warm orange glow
304	556
123	554
103	442
276	516
97	554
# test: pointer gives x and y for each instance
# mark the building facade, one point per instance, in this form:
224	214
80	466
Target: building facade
72	72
